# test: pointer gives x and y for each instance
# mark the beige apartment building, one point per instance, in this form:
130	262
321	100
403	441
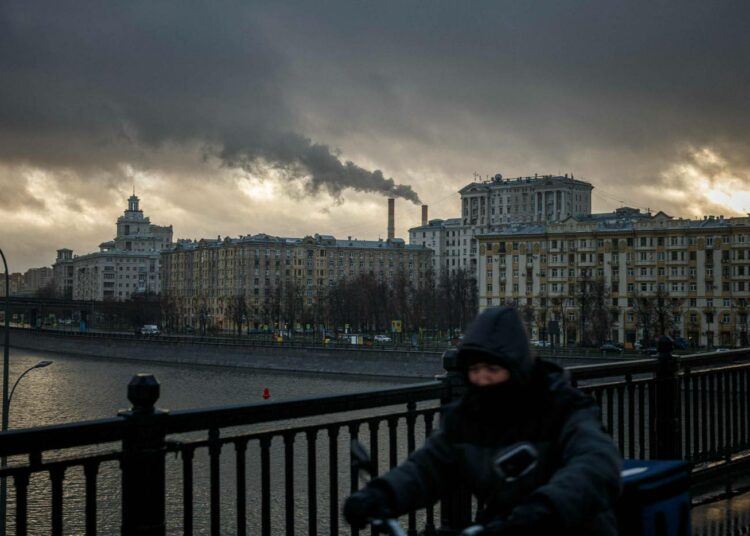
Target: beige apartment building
623	276
203	278
123	266
488	206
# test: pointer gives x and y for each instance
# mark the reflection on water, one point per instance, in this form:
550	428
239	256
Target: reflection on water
75	389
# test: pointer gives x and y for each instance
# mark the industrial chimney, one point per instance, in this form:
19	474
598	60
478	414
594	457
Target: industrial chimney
391	218
424	214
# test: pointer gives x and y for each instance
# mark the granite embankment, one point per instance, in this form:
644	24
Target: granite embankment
195	352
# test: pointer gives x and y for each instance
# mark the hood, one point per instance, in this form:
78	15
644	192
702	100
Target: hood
497	335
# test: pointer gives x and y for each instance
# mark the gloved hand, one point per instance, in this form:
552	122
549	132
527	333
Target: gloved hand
370	502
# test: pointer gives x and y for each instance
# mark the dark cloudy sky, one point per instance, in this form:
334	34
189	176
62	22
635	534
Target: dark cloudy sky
293	118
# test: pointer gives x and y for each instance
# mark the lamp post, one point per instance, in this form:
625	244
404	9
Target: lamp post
6	361
3	460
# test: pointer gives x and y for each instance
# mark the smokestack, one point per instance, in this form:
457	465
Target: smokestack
391	218
424	214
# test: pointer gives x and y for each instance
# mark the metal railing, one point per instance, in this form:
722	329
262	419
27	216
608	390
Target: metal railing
694	407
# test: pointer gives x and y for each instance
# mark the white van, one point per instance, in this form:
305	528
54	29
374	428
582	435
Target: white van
150	329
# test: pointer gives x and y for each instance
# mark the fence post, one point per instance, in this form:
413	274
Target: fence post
143	451
455	509
668	426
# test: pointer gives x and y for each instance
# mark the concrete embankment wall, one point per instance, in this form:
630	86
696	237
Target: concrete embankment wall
324	360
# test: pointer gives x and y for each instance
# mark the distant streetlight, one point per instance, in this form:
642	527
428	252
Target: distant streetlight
41	364
3	460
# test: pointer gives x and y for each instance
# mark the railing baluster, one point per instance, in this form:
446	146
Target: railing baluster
642	420
610	422
631	415
187	490
737	409
354	471
651	418
214	453
289	481
374	427
704	417
240	447
712	414
721	443
727	424
734	408
57	475
90	471
695	386
430	512
621	417
411	419
21	482
333	478
685	384
312	483
265	485
742	401
392	442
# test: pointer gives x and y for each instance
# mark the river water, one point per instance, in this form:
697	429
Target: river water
81	388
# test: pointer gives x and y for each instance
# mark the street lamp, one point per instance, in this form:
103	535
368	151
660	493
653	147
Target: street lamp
6	360
41	364
4	460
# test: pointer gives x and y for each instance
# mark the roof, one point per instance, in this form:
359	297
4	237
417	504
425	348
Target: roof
316	240
433	225
536	181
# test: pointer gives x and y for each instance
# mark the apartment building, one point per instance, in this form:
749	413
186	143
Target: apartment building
625	275
126	265
203	277
491	205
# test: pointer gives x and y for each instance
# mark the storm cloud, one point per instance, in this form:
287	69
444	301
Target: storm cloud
267	109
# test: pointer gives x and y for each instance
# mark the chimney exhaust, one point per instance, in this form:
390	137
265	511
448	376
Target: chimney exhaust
424	214
391	218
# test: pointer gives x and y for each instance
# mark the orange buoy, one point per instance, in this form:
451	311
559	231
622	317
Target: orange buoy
266	393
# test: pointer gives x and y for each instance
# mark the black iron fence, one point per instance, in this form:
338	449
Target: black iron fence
283	468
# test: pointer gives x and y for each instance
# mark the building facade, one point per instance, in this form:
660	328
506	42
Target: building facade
15	284
493	205
203	278
35	279
623	276
126	265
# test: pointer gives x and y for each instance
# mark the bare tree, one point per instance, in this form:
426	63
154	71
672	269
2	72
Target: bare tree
237	311
644	310
663	307
169	311
582	293
600	316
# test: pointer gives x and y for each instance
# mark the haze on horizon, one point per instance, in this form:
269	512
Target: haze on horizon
298	118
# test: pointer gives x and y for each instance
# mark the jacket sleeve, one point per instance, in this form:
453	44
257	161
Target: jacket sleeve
424	477
588	481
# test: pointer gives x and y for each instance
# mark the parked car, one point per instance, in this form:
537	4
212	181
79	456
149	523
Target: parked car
382	338
610	347
150	329
538	344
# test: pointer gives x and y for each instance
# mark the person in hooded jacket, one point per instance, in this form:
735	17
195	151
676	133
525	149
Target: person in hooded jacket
513	400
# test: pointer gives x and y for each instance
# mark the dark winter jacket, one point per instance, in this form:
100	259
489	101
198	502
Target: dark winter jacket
577	478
